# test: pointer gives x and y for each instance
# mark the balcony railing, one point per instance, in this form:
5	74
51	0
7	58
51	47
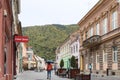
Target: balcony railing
92	41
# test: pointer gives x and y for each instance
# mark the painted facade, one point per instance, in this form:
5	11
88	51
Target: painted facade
16	31
40	63
100	38
74	46
58	57
6	47
63	52
69	48
31	60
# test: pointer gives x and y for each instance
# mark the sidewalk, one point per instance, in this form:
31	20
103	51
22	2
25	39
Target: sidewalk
93	77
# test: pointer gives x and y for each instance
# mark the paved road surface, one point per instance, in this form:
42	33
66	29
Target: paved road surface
32	75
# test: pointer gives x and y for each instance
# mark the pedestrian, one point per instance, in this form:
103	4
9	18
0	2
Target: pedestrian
55	68
49	69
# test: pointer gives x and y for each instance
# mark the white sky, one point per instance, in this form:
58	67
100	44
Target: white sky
41	12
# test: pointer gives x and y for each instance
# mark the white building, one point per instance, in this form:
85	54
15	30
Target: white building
75	45
40	63
30	57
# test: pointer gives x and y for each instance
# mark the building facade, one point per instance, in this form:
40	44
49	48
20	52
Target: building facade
6	48
75	46
16	31
100	38
65	53
58	57
7	44
69	48
31	60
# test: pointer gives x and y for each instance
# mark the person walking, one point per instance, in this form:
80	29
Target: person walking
49	68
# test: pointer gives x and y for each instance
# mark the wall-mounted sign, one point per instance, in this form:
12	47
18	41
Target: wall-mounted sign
21	38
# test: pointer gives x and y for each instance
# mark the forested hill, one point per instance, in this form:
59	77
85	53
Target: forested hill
44	39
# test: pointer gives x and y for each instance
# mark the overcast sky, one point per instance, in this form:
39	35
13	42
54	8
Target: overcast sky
41	12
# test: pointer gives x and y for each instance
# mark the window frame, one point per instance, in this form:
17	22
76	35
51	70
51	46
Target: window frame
97	57
105	25
115	54
98	28
104	56
114	19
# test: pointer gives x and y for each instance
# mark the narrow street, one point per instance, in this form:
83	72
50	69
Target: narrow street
32	75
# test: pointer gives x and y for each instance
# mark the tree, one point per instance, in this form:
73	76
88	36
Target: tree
73	62
61	63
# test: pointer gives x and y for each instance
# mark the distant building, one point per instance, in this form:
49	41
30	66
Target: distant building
58	57
40	63
69	48
100	38
31	60
74	46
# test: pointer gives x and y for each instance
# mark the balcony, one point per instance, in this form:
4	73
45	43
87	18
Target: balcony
92	41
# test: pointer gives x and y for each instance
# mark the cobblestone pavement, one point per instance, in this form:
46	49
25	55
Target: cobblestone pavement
32	75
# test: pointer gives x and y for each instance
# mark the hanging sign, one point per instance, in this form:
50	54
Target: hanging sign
21	38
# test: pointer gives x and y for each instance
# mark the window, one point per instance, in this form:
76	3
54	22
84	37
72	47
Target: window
104	56
76	48
82	37
97	57
114	20
5	54
86	34
91	32
105	25
115	51
97	29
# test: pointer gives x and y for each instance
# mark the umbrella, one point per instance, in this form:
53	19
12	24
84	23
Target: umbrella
49	61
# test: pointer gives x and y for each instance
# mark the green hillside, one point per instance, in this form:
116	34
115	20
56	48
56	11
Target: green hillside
45	39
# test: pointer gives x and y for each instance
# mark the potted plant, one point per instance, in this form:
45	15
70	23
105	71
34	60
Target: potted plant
73	70
73	62
61	67
61	63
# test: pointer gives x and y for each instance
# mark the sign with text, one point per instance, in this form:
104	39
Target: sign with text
21	38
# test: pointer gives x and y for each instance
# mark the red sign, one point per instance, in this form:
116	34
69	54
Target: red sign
21	39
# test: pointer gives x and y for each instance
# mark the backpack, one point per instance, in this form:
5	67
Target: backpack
49	67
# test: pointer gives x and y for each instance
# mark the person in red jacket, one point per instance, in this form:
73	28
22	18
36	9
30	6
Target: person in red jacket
49	68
